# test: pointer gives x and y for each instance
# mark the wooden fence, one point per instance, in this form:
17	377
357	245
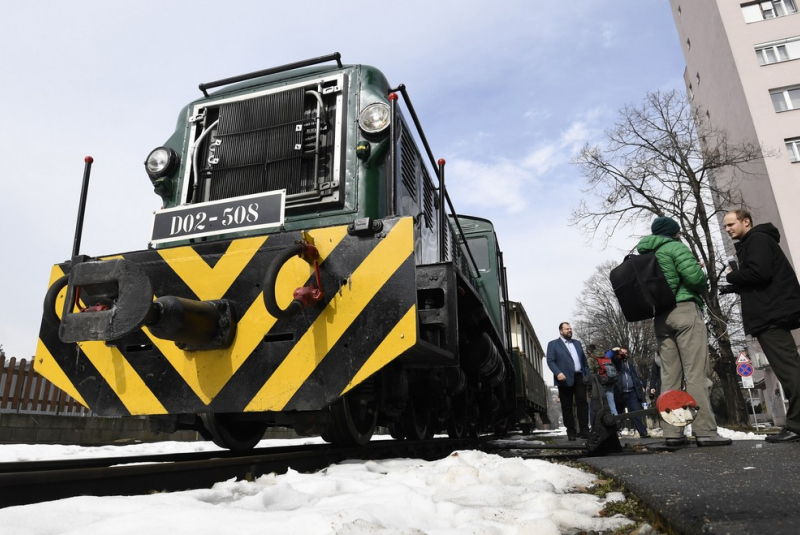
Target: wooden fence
23	390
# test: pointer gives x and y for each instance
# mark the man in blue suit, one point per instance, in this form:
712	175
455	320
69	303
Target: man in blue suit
566	360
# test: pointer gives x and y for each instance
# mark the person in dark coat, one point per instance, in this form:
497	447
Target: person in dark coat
770	295
567	361
629	384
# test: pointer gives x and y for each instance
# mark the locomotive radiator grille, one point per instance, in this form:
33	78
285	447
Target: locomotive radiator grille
270	142
258	148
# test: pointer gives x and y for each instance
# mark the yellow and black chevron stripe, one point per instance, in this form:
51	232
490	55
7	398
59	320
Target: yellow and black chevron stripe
367	319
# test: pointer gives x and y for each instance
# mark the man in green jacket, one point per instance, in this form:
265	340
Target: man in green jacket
681	331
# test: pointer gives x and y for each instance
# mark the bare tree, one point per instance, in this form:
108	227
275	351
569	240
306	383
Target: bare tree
659	159
600	321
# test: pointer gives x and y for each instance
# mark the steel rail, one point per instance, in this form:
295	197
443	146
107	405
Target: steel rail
41	483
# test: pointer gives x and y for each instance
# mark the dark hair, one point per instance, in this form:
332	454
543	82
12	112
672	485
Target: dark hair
591	347
562	324
742	214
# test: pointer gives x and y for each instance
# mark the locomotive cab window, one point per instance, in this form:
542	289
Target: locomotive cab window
480	251
287	138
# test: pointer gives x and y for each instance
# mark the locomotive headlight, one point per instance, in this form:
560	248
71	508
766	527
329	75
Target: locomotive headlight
375	118
161	162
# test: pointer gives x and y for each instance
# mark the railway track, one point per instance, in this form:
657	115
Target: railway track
24	483
30	482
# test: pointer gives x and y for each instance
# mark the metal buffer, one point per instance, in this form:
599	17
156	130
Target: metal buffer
114	298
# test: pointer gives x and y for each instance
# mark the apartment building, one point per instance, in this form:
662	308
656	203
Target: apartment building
742	70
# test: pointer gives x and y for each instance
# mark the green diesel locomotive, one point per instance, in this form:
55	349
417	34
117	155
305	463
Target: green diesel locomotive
307	269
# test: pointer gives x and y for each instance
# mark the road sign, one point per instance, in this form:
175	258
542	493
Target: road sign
747	382
745	369
742	358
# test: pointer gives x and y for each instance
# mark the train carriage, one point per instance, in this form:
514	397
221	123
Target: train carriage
527	357
306	269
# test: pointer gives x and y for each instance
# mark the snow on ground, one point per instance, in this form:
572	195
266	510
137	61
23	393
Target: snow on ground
739	435
467	492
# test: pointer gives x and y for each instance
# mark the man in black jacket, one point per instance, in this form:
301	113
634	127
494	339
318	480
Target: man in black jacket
770	297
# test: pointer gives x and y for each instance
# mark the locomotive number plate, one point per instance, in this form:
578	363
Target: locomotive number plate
250	212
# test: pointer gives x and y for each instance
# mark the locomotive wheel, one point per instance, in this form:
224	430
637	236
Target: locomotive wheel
458	421
414	422
229	432
352	422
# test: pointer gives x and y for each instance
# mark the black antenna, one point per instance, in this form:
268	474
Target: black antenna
76	244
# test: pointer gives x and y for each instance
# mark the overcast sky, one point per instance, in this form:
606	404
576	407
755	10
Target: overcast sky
507	92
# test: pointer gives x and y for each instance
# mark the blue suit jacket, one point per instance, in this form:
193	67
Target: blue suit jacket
559	360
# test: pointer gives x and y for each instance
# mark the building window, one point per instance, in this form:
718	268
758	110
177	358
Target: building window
778	51
793	147
691	92
786	99
697	77
688	44
772	54
756	11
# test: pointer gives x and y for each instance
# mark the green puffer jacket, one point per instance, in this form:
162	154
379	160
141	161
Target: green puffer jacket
679	266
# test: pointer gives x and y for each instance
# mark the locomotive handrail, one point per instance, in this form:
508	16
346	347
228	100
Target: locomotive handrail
402	89
50	300
442	228
271	278
302	297
289	66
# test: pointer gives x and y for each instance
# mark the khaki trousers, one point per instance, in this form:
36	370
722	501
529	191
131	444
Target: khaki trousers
683	345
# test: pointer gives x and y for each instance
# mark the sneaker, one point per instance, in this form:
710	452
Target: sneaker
713	441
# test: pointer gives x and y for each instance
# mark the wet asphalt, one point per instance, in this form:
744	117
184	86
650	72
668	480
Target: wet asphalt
749	487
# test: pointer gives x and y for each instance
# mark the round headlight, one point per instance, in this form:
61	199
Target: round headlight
375	118
161	162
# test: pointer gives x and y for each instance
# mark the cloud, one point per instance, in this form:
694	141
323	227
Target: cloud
499	185
538	114
542	159
507	184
